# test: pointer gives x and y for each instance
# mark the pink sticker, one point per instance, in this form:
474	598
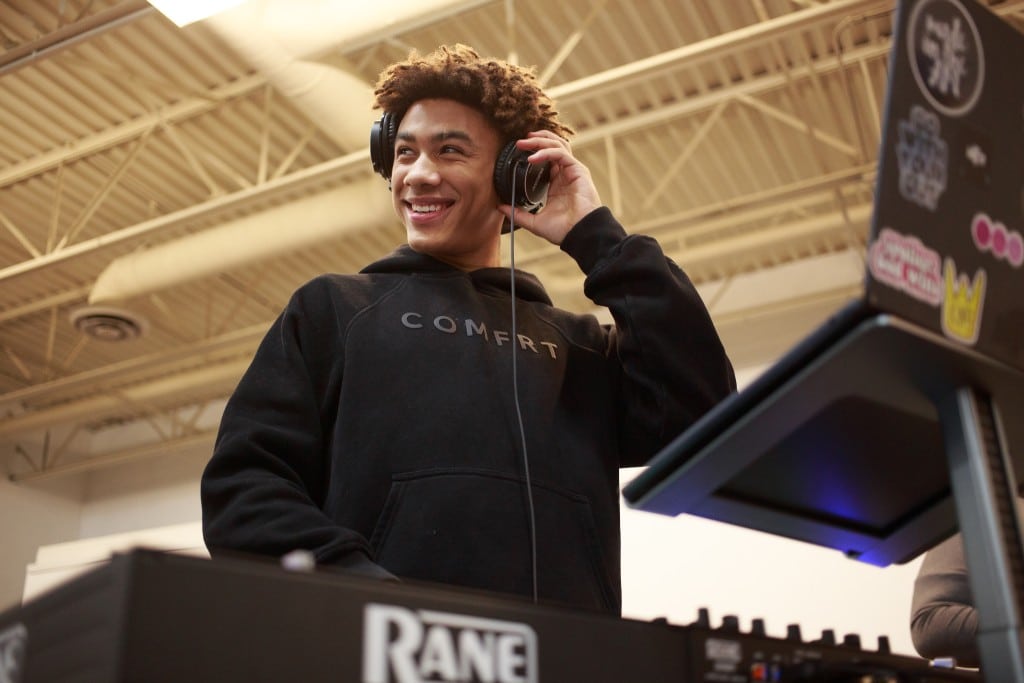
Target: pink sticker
1015	249
993	236
908	265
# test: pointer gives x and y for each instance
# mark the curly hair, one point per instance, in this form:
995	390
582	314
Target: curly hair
508	95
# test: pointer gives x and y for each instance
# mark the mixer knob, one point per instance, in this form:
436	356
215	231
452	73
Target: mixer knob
851	640
793	633
703	618
828	637
757	628
730	623
883	645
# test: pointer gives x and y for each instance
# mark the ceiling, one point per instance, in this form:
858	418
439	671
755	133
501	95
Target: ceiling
163	190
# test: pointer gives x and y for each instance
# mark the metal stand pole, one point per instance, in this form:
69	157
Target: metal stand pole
985	491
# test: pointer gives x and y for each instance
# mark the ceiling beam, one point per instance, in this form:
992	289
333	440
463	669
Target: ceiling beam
73	33
235	343
325	172
212	380
202	440
130	130
710	48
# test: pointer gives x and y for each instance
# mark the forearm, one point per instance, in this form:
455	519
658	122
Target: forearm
944	622
946	630
673	365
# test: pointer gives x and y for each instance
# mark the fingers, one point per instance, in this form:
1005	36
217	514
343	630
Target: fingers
523	218
546	146
547	134
571	194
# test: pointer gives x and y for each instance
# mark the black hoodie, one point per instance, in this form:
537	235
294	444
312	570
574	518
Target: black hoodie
377	425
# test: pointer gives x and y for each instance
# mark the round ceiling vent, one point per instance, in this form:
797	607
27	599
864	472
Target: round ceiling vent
108	324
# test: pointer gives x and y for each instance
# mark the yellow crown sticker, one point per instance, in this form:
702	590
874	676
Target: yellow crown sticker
962	304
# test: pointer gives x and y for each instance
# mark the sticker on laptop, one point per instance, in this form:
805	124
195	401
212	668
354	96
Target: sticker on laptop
905	263
946	55
963	303
923	158
990	235
13	646
976	149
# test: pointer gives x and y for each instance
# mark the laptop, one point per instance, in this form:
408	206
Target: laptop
839	443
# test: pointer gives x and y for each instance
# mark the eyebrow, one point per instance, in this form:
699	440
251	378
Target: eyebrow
440	137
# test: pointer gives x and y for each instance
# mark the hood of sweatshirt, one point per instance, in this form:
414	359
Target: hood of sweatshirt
405	259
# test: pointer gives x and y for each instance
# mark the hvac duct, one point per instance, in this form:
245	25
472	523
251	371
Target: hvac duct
271	36
310	28
302	223
337	102
281	37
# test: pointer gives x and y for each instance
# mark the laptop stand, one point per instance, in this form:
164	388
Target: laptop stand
983	485
967	389
846	454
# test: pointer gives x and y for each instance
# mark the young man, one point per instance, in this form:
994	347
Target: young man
402	422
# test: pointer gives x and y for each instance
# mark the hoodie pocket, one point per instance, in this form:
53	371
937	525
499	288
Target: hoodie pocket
472	528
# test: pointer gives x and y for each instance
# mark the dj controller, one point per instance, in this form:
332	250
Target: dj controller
151	617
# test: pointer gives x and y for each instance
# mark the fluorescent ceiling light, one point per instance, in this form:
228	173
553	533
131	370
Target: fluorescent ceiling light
183	12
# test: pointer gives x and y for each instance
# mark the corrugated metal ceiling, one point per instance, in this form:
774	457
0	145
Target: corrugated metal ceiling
742	134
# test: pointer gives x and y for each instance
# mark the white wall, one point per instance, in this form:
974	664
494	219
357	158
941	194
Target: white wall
672	566
153	492
33	516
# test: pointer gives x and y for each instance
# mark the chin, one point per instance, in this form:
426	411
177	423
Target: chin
424	242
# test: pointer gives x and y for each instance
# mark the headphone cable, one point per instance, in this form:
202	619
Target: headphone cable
515	391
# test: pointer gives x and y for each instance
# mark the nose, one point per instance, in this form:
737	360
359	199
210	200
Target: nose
422	171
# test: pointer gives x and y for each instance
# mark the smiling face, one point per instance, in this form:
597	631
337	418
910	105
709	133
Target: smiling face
443	183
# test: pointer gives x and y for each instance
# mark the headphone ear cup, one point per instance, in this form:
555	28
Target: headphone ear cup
382	144
529	180
504	170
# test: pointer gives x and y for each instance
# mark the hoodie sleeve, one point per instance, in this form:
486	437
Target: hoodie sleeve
262	489
944	622
671	363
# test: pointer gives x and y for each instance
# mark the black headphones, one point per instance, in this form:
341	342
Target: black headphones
510	170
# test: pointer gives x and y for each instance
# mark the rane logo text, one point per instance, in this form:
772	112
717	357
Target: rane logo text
401	645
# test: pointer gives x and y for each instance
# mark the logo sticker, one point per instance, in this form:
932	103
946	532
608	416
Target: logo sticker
923	158
976	148
946	55
13	643
908	265
962	304
993	236
401	645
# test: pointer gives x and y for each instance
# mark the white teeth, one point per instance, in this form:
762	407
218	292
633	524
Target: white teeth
426	208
